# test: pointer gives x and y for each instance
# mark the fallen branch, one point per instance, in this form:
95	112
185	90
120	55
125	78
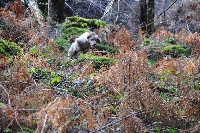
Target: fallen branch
117	121
1	86
44	123
100	52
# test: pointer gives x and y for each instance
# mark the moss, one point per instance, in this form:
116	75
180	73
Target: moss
72	32
176	50
97	61
109	49
172	47
80	22
9	48
83	22
78	25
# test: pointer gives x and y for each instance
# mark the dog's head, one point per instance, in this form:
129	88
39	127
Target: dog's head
93	39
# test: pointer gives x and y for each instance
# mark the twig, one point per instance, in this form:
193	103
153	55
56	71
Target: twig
116	121
71	8
44	123
129	6
9	124
100	52
1	86
27	109
18	122
187	26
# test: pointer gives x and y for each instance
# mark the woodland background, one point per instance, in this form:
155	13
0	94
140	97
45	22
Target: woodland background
132	82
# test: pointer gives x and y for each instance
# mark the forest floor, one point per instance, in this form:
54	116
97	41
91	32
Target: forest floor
143	85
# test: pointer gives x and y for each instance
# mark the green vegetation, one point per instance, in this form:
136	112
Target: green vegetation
80	22
62	44
38	73
8	48
72	32
171	40
55	80
151	62
2	104
45	50
157	128
42	91
146	41
97	61
174	49
26	130
8	130
77	25
106	48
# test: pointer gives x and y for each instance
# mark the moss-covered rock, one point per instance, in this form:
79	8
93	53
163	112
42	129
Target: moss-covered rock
80	22
8	48
97	61
77	25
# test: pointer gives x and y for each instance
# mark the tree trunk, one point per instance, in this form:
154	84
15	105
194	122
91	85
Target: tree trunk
56	11
147	16
43	6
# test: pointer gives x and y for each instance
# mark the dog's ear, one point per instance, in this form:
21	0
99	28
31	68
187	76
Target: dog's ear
78	41
81	40
90	35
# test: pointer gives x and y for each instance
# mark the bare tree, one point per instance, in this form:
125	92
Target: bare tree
56	10
147	16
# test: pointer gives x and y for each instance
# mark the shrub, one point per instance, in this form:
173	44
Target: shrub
170	46
51	76
146	41
9	48
176	50
61	43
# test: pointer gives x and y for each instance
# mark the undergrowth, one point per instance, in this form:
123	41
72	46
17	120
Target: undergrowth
120	91
8	48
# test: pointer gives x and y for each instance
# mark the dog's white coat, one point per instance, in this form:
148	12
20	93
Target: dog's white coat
83	42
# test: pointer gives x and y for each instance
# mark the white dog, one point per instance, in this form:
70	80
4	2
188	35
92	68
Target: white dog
82	43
